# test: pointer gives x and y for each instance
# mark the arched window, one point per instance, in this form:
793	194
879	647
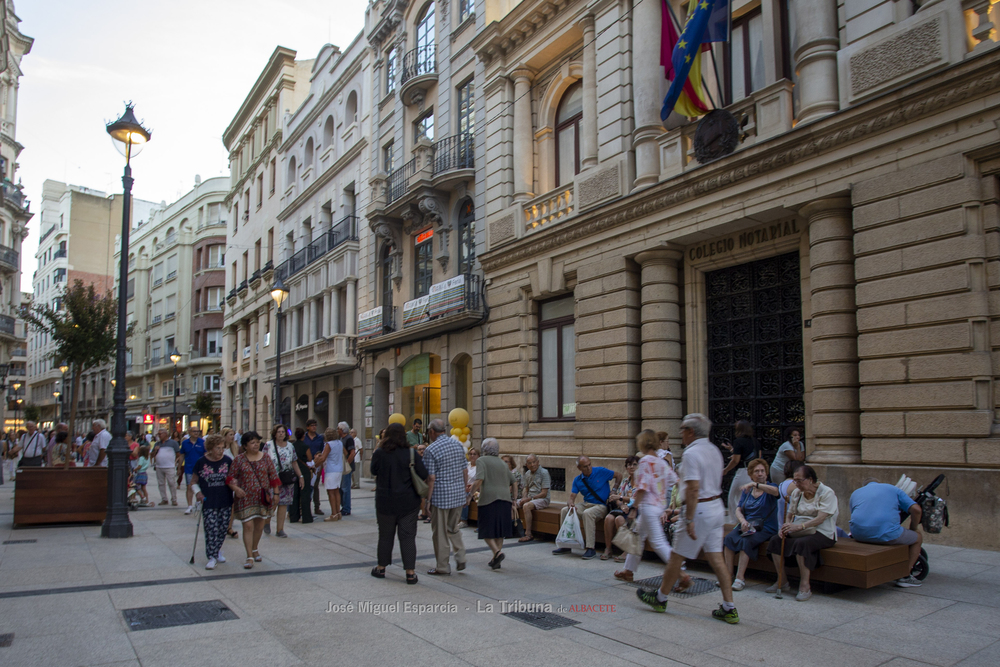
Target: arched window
352	107
328	132
425	41
308	158
466	237
568	118
386	264
291	172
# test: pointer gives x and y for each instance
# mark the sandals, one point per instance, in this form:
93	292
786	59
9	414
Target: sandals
620	558
333	517
249	564
527	538
605	556
378	573
258	557
410	578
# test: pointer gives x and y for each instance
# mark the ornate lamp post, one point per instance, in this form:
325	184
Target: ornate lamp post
129	136
279	293
58	396
17	402
175	356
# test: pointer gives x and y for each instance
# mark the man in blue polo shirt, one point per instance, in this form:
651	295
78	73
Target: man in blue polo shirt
192	449
592	483
315	442
875	519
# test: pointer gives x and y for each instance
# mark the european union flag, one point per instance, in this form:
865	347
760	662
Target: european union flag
708	23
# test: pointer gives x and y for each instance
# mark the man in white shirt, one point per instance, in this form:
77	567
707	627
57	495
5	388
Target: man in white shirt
166	456
31	446
97	454
702	518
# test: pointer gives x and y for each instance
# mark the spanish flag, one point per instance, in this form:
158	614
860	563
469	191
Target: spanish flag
708	21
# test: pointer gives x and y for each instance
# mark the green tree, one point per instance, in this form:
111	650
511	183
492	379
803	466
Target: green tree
84	332
204	403
32	412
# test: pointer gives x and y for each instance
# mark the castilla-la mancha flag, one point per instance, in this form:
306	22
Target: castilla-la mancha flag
708	21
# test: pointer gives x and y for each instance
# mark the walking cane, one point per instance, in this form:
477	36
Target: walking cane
197	526
781	569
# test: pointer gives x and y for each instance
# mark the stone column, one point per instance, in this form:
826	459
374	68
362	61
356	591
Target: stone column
252	330
352	307
523	141
662	358
311	327
588	139
326	314
835	416
335	311
816	58
293	328
647	82
263	316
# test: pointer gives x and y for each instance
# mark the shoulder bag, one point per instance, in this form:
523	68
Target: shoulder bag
609	504
265	497
628	540
419	485
285	475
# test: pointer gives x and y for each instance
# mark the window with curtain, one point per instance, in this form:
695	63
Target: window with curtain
745	56
423	266
568	118
466	237
466	8
390	71
557	360
425	41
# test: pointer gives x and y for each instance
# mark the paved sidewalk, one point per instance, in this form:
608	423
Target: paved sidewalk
63	597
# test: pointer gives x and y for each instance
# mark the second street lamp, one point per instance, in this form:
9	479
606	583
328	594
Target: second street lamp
279	293
129	136
175	356
58	396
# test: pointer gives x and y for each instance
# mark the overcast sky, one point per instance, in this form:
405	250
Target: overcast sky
187	65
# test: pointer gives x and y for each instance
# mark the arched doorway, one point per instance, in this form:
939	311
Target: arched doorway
302	410
345	407
321	410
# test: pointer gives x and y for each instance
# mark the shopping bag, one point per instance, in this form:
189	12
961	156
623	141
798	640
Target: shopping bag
570	534
628	539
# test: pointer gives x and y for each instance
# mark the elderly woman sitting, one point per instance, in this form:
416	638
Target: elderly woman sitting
618	504
757	513
810	526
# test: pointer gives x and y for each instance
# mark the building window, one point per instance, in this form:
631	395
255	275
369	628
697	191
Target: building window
424	128
390	70
466	237
171	267
171	306
568	118
216	257
167	388
213	343
557	360
151	390
425	42
351	108
386	264
387	158
216	295
467	109
212	383
466	8
422	264
745	56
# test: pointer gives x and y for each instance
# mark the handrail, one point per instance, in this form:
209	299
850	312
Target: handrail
454	152
418	62
345	230
399	181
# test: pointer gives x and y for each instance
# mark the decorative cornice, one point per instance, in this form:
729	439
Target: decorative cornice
502	38
940	92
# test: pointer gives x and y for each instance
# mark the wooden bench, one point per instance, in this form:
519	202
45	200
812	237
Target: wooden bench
848	563
57	495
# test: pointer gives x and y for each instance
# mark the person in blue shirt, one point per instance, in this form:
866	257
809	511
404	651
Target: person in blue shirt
316	443
875	519
593	484
192	449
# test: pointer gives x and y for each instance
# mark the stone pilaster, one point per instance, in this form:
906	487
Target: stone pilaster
646	84
310	336
352	307
326	313
588	139
523	153
662	356
335	311
834	434
816	58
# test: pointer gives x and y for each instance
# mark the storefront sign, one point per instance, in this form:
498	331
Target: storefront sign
148	419
744	240
415	311
424	236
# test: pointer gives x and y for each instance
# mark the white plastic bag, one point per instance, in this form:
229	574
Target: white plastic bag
570	535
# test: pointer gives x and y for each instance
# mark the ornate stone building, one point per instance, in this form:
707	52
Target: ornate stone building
837	270
420	328
324	163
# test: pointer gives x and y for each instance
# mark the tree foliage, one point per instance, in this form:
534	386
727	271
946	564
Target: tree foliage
204	403
84	331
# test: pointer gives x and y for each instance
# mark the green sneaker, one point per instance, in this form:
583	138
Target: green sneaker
649	597
728	616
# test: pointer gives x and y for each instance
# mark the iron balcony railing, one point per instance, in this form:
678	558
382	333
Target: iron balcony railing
47	232
345	230
418	62
7	324
399	181
13	194
9	256
59	253
454	152
244	286
231	295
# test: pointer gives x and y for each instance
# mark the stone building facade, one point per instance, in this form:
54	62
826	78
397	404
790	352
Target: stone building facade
422	311
839	271
324	158
253	140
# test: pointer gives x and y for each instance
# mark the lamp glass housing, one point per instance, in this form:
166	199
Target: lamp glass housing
278	292
127	134
175	356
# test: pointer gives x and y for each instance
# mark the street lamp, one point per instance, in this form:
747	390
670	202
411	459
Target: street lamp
63	367
58	396
279	293
175	356
17	402
129	136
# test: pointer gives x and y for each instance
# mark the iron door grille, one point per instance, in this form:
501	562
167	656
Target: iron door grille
755	348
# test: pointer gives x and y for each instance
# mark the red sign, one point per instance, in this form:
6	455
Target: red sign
148	419
424	236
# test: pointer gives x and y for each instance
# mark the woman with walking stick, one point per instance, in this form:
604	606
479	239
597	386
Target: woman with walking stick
216	498
253	480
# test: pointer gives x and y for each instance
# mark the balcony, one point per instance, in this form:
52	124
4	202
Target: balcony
156	319
59	254
13	196
244	286
399	181
46	234
345	230
441	165
453	304
255	279
419	74
19	352
330	355
9	258
231	297
7	325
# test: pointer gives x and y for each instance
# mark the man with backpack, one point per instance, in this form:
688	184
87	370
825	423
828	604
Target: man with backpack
875	519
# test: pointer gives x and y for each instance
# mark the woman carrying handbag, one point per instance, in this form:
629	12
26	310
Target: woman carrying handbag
253	480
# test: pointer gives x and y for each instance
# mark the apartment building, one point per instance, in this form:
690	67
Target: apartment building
820	253
324	166
14	210
253	140
176	291
79	228
420	328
